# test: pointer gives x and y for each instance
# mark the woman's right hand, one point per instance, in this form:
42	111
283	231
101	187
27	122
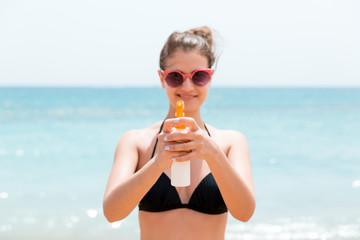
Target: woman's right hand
164	157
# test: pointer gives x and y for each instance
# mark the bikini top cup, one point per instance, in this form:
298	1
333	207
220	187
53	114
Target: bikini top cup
206	197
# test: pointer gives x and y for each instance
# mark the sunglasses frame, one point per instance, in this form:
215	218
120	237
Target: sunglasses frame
164	73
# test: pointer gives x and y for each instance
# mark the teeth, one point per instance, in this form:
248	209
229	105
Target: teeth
186	97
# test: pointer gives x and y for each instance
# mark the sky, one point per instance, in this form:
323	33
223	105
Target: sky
112	43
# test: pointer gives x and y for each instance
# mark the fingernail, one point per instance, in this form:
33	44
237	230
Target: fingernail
174	159
167	148
176	120
165	138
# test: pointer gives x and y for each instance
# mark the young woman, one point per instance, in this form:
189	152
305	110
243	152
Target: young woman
221	178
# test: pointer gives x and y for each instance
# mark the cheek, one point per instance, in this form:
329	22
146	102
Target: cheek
204	95
203	98
205	91
170	92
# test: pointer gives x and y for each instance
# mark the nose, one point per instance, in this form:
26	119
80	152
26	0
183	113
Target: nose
187	84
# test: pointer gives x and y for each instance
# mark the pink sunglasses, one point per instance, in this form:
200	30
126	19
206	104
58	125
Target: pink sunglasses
199	77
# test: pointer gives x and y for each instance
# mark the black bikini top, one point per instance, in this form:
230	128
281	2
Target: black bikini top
206	197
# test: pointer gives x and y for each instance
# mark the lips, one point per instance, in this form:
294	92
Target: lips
186	97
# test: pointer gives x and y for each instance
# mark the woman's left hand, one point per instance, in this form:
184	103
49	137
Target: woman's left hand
193	140
232	172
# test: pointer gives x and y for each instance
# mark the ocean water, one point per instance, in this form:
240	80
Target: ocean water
57	146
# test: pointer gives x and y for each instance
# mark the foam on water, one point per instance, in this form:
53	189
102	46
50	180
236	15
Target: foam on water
4	195
355	184
299	228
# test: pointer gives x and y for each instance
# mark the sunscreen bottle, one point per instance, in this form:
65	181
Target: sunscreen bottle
180	171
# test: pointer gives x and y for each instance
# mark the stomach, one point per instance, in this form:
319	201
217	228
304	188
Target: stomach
182	223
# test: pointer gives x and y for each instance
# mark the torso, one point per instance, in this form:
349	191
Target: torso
167	222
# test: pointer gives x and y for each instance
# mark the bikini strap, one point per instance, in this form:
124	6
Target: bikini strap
207	129
153	152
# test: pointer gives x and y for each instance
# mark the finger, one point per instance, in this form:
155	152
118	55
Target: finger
178	154
185	157
178	147
180	136
163	145
190	122
170	149
161	137
168	125
172	122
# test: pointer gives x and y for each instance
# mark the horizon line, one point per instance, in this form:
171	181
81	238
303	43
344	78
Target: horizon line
156	86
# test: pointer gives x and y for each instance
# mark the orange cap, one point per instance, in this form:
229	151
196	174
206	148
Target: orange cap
180	113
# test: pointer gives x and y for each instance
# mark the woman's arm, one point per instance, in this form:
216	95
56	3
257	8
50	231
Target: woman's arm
126	187
234	178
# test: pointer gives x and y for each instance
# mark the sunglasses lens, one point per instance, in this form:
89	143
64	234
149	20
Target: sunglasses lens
201	78
174	79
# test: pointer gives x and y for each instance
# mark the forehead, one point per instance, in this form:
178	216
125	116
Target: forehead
187	61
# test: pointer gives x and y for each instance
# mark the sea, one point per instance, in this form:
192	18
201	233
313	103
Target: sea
57	147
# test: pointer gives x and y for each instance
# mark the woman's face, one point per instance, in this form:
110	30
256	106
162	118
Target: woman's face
192	95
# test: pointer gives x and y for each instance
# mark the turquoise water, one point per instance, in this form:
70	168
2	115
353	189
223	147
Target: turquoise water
57	145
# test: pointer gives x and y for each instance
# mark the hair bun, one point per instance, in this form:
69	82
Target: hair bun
196	39
204	32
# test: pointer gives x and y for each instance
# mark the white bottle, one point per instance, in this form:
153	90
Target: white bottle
180	173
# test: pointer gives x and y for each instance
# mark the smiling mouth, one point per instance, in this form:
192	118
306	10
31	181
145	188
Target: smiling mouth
186	97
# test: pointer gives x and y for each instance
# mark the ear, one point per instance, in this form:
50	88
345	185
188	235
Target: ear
211	76
161	79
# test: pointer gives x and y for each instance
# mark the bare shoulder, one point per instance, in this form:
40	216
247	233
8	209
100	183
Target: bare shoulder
229	136
139	138
234	145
